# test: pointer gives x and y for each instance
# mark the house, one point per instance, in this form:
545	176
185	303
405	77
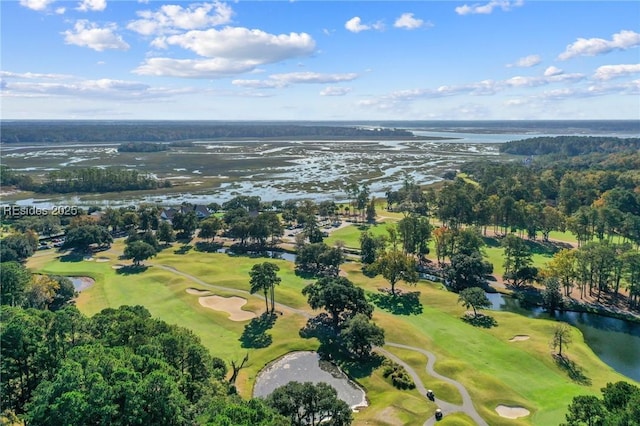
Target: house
201	211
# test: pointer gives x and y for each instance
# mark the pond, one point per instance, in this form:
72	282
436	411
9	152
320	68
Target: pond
616	342
284	255
306	366
81	283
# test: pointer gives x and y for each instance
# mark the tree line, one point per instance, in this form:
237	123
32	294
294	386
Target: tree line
136	131
83	180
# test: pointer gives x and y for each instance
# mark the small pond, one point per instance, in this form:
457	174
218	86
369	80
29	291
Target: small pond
81	283
291	257
306	366
616	342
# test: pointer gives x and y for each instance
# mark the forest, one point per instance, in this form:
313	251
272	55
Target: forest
56	132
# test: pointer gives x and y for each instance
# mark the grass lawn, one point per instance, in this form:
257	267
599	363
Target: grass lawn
350	235
494	370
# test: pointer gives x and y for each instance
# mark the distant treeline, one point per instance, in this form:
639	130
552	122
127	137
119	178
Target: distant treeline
50	131
142	147
571	146
83	180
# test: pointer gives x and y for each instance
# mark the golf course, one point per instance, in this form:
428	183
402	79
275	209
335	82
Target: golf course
495	368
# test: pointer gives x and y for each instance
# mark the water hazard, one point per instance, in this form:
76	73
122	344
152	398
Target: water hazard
307	367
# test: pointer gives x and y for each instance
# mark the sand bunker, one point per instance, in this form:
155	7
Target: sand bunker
118	266
512	412
230	305
519	338
197	292
102	259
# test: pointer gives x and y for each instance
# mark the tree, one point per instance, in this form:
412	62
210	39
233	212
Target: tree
340	297
310	404
83	236
209	228
263	277
139	251
395	266
474	298
562	267
360	335
19	246
585	409
561	337
551	295
185	223
319	259
14	279
466	271
370	246
165	233
517	261
371	211
620	405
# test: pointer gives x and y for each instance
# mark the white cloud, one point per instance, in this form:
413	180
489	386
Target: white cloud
623	40
407	21
526	62
335	91
101	89
88	34
607	72
487	8
38	5
231	51
173	18
31	75
242	43
92	5
551	71
479	88
355	25
60	10
287	79
515	102
195	68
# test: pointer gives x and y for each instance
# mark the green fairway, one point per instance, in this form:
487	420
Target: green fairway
493	369
350	235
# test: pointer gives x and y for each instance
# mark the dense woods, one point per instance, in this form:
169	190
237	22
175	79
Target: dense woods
136	131
82	180
571	146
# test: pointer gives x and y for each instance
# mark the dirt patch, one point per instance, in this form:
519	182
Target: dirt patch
512	412
232	305
197	292
519	338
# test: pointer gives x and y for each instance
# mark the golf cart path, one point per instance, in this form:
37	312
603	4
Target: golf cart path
447	408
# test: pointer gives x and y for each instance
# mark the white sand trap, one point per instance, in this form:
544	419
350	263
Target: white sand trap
512	412
197	292
519	338
230	305
118	266
102	259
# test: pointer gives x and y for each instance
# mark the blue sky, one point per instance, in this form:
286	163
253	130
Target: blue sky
320	60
